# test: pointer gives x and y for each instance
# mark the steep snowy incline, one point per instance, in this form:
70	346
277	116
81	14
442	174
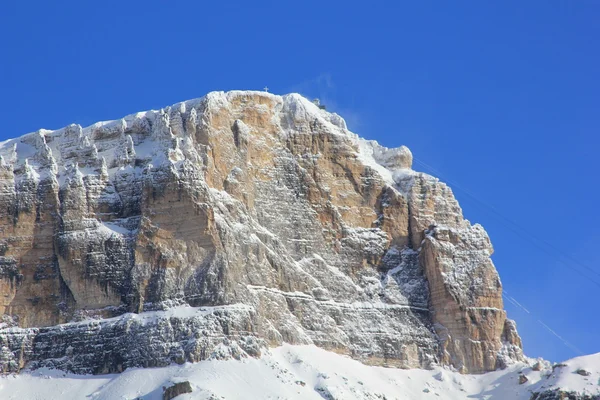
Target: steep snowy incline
307	372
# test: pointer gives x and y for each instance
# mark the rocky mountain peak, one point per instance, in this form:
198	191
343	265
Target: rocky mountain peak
222	225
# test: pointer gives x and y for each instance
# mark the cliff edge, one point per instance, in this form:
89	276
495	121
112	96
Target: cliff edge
218	226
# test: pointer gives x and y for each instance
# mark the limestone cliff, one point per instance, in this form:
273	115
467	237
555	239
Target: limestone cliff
229	223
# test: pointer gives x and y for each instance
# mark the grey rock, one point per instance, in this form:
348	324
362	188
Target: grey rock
176	389
558	394
265	212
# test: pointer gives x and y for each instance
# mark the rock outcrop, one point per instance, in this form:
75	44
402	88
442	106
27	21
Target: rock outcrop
176	389
264	210
558	394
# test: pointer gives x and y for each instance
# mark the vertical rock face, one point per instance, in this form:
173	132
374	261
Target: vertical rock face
239	198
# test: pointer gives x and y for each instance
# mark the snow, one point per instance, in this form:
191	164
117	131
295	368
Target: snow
357	305
113	228
300	372
565	377
366	156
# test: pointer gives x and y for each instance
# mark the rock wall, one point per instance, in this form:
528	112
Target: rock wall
152	339
241	198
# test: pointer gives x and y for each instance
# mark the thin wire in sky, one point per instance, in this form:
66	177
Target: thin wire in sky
540	243
516	228
515	303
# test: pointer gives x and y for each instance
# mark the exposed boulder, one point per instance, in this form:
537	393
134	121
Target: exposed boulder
176	389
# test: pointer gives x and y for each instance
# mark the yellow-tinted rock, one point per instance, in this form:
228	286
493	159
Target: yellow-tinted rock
255	199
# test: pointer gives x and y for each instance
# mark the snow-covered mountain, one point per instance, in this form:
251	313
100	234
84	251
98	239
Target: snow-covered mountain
220	227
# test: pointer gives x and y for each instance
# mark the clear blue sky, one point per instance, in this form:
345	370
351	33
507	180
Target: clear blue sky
502	97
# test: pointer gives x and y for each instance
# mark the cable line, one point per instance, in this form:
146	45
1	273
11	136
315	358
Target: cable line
540	243
543	245
515	303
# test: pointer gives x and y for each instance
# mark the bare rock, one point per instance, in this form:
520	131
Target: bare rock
557	394
583	372
522	379
176	389
263	218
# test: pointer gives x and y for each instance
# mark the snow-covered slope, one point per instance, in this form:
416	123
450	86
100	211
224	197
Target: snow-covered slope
304	372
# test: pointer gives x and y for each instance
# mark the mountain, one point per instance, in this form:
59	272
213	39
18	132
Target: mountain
223	226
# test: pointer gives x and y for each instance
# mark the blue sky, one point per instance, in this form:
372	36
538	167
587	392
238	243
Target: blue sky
501	98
